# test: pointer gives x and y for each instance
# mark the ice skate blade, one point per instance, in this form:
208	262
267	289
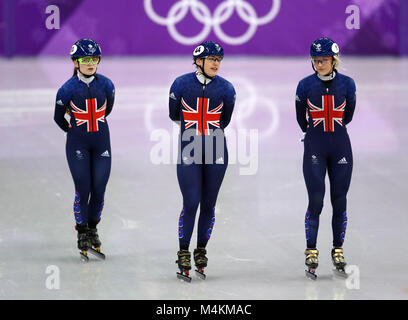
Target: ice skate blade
311	274
340	273
97	253
200	274
84	256
183	277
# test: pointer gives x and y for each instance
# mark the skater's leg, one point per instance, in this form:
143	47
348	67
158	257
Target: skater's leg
101	167
340	169
213	176
314	171
190	181
79	164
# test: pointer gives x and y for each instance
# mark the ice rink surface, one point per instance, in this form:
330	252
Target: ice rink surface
256	249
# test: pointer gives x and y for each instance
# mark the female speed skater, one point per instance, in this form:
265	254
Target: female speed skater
325	103
88	98
203	102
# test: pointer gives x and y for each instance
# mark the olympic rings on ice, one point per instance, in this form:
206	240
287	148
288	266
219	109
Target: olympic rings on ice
202	14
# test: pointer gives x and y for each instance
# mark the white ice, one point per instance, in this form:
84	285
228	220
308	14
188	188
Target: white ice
256	249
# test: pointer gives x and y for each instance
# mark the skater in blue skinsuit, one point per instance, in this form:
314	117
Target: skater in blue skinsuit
88	98
203	103
325	103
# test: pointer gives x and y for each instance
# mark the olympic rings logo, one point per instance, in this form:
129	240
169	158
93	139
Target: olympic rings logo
203	15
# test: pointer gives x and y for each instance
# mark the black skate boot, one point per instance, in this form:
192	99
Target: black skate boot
184	264
95	243
200	262
83	242
338	262
312	263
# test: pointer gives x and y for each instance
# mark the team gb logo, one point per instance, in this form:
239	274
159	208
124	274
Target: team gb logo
91	48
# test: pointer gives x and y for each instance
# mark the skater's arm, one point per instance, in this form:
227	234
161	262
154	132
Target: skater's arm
174	102
228	108
350	102
60	110
301	106
110	97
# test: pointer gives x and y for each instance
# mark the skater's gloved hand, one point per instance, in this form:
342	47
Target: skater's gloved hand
303	138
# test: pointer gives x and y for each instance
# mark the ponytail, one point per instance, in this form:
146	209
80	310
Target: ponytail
75	69
336	61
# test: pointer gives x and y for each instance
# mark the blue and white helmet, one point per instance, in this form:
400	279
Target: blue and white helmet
208	48
324	47
84	48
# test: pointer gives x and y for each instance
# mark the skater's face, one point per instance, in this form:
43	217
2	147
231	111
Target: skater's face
87	67
323	65
211	66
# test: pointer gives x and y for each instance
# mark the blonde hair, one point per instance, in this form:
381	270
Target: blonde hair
336	61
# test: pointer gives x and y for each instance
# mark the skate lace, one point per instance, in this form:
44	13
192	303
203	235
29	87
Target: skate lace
199	256
200	260
82	237
312	256
184	258
338	256
93	235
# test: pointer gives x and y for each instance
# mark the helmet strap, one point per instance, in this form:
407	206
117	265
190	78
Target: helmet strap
203	72
313	66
